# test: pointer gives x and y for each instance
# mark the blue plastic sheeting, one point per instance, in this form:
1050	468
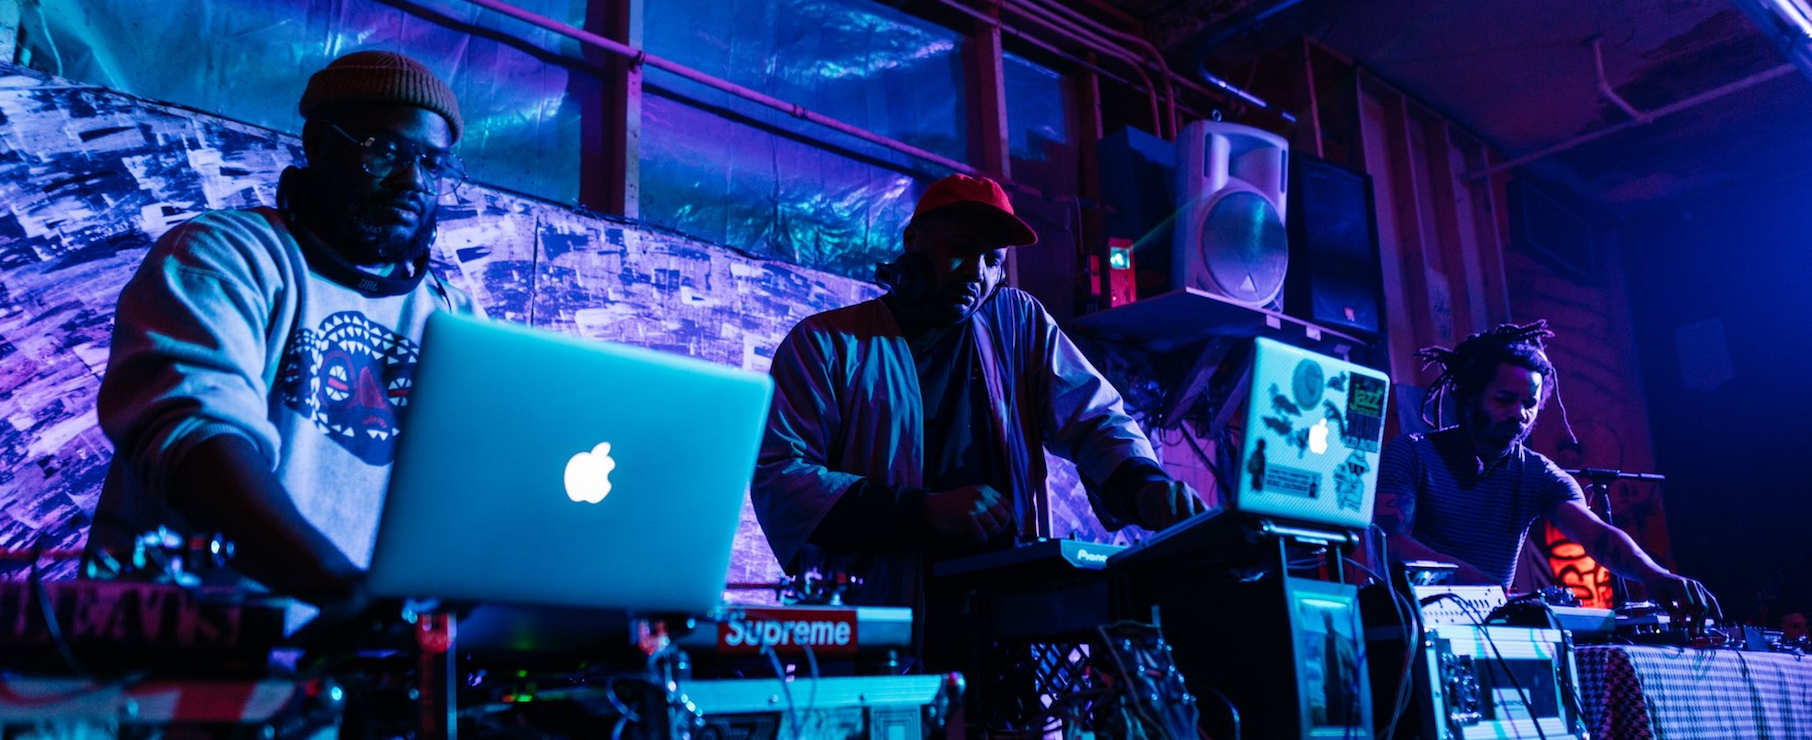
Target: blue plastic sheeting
727	170
1040	110
1042	153
249	60
730	183
857	61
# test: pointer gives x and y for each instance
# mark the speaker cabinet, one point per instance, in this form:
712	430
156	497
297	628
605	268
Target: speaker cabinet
1230	238
1334	272
1138	183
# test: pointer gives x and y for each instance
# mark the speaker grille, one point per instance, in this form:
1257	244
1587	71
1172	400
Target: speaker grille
1243	244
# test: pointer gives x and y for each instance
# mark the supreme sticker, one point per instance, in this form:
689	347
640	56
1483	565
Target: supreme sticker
788	631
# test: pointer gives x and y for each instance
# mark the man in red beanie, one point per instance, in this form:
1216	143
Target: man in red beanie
259	356
912	427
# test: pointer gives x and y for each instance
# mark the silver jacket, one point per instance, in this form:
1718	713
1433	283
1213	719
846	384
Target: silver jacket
847	406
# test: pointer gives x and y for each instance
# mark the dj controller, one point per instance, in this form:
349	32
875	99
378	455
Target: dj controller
149	658
1175	637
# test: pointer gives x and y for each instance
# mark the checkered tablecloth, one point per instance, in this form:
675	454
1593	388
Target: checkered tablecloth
1666	693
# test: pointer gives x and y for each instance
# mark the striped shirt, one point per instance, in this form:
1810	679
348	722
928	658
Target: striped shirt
1477	513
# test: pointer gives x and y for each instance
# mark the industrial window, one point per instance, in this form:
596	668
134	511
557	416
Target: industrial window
248	60
734	172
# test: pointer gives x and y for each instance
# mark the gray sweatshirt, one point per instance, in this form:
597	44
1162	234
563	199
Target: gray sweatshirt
225	330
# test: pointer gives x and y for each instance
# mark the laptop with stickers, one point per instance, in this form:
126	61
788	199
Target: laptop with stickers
540	469
1314	428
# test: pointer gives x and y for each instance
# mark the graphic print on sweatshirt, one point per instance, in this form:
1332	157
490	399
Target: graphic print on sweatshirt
350	377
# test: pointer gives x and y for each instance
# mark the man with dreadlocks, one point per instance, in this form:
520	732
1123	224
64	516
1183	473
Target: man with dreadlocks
1468	493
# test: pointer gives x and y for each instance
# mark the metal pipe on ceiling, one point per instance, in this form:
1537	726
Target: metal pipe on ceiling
640	56
1225	86
1150	90
1232	26
1034	41
1656	114
1077	34
1604	84
1147	49
1220	88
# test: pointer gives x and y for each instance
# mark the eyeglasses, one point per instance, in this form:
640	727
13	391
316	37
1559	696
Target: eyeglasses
381	154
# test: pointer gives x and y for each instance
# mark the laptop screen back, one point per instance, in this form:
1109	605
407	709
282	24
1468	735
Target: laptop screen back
535	468
1314	428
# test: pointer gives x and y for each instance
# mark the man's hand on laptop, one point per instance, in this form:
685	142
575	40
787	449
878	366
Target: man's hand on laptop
974	513
347	621
1162	503
351	600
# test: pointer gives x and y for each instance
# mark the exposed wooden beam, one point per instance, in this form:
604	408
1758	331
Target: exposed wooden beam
610	154
987	83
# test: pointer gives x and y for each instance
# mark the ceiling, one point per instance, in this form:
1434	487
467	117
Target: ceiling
1521	76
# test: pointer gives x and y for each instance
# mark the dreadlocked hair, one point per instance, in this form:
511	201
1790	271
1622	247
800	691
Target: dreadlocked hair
1469	367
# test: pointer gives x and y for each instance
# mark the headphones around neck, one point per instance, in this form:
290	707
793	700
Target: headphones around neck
334	266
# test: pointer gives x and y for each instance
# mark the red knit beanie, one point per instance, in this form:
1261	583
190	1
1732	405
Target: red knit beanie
380	77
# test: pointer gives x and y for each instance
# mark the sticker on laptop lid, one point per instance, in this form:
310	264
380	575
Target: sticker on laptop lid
1349	482
1364	428
1282	405
1288	434
1292	481
1308	383
1270	477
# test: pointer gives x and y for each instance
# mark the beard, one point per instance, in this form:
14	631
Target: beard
363	230
1495	439
938	308
953	304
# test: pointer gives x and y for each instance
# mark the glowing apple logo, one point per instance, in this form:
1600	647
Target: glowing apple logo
1318	442
588	474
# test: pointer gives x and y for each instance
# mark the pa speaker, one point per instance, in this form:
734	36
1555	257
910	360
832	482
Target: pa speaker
1334	272
1229	237
1138	182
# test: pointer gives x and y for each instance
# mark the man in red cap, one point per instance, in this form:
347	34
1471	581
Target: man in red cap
260	356
912	427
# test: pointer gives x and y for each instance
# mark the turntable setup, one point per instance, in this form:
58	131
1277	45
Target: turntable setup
153	652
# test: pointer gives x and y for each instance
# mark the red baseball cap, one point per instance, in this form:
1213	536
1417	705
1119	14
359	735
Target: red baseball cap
981	196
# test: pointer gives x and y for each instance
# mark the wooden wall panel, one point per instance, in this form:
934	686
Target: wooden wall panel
1450	269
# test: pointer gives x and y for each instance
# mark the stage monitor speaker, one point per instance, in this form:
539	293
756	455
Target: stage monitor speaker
1231	190
1334	267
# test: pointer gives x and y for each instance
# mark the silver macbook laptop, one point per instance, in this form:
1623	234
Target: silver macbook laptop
540	469
1314	428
